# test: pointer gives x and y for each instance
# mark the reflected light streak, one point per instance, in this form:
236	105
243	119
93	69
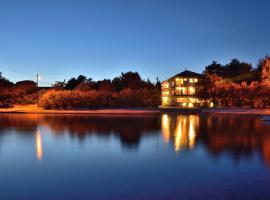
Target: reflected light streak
191	132
39	152
165	127
180	136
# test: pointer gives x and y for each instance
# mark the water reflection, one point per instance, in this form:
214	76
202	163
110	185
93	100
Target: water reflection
181	130
39	151
239	136
129	129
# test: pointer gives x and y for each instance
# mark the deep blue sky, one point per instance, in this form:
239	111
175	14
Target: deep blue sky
100	39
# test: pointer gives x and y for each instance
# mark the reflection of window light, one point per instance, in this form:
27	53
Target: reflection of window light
166	127
38	145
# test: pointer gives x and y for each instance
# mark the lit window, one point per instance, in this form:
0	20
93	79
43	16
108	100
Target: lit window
185	79
195	80
184	104
178	81
181	81
190	105
165	101
191	90
191	80
165	85
165	93
182	100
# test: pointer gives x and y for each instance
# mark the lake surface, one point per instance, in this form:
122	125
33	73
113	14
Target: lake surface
134	157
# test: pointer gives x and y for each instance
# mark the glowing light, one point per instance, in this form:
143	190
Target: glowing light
165	93
211	105
39	152
184	104
165	101
39	77
190	105
165	85
195	80
191	90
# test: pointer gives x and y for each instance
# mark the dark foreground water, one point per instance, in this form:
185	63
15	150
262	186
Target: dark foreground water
127	157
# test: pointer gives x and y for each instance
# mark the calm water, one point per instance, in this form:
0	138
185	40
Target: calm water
142	157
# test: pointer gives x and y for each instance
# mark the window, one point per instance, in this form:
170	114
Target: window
191	80
165	93
165	85
191	90
179	81
181	91
182	100
195	80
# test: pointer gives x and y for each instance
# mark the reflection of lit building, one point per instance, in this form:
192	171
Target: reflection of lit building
180	90
39	152
181	130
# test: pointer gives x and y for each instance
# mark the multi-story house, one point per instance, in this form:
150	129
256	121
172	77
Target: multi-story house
180	90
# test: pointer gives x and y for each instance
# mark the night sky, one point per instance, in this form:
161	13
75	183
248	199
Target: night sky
101	39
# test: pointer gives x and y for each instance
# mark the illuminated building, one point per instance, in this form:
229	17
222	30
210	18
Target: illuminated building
180	90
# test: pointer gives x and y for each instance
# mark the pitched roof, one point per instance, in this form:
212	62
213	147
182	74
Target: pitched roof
187	74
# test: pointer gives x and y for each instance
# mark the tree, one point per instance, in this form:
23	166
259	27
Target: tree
131	80
214	68
236	68
265	76
74	82
59	85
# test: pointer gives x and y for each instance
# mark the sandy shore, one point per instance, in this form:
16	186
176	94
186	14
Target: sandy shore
33	109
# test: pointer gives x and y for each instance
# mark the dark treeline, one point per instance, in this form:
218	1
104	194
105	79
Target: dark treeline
236	84
127	90
22	92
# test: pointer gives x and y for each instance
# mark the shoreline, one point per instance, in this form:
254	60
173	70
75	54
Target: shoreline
238	111
33	109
